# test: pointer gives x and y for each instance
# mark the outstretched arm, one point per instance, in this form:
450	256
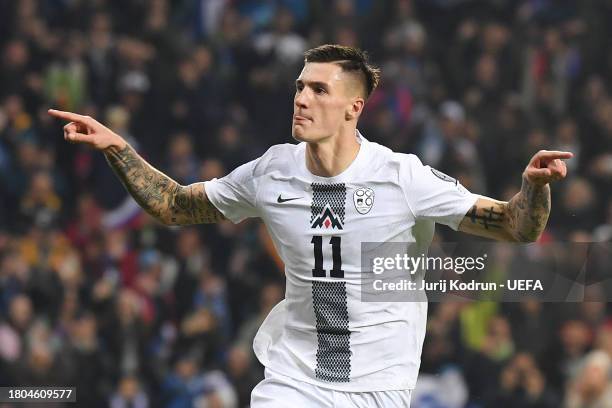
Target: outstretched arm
524	217
159	195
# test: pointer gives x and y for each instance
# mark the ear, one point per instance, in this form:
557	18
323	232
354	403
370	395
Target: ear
354	110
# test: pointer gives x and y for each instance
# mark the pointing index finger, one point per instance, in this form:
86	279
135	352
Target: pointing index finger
554	154
73	117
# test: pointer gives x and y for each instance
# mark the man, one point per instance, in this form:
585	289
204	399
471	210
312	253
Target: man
320	199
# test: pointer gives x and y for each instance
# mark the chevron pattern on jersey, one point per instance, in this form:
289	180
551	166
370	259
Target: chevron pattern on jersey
328	205
333	335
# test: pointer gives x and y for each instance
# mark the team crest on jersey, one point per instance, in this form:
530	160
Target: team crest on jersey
363	198
328	206
443	176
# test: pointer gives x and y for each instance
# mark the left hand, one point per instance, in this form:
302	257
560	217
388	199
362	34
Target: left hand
546	166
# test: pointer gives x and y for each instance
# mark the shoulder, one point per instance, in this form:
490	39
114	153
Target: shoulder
281	150
409	163
402	164
280	157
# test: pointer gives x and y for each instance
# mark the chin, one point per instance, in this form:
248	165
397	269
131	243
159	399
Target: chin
298	137
301	135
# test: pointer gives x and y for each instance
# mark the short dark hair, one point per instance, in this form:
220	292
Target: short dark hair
351	59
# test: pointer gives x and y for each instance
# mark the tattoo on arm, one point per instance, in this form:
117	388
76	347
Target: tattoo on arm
528	211
191	206
489	218
158	194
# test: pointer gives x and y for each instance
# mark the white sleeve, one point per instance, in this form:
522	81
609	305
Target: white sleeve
432	194
235	195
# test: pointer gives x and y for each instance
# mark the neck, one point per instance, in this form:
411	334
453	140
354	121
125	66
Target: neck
332	156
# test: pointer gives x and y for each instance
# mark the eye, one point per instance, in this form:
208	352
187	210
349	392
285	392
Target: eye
299	87
319	90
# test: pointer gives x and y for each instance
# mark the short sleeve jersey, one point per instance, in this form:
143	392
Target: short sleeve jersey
322	332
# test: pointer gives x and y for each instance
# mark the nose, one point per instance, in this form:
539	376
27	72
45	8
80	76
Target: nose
301	99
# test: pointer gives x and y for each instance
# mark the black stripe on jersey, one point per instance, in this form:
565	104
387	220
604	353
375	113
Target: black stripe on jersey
328	203
333	335
328	209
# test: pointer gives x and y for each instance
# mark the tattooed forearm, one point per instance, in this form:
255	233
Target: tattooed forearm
523	218
158	194
528	211
488	218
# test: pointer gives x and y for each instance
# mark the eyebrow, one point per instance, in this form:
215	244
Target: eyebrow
312	84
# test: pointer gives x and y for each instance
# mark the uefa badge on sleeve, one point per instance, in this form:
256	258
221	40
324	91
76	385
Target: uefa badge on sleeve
363	199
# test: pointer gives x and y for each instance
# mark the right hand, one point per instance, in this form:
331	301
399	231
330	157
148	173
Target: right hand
85	129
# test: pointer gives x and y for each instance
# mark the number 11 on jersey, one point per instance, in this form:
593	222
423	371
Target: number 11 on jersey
318	271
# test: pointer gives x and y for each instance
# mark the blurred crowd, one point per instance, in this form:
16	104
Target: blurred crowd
96	294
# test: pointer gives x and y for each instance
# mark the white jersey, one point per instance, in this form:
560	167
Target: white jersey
322	333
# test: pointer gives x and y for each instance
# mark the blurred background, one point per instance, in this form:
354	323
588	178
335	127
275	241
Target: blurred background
95	294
